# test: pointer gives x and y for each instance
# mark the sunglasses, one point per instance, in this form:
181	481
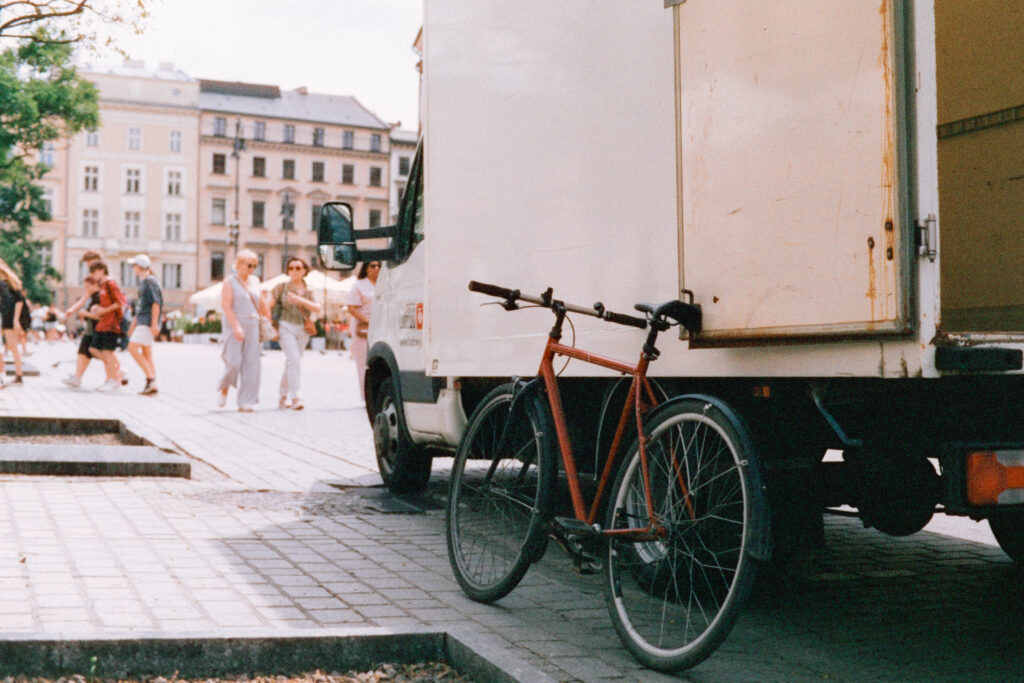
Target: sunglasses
295	268
373	265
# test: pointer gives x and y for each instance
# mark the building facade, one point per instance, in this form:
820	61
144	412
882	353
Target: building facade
260	149
403	150
130	187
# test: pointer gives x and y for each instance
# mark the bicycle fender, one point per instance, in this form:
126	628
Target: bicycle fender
759	544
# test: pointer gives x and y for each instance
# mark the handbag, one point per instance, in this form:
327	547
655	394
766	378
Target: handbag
308	325
267	331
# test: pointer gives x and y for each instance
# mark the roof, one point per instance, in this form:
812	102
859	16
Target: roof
137	69
408	137
258	100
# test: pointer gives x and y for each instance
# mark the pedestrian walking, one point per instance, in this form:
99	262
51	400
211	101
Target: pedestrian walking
292	310
146	323
359	302
108	325
89	316
243	305
12	301
90	300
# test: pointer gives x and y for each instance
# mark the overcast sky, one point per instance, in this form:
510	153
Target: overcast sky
342	47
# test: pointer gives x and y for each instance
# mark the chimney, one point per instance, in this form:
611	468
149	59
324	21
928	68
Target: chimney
302	90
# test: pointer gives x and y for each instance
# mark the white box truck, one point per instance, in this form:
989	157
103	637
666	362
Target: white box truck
840	184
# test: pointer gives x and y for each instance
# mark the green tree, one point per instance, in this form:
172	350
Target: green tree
42	99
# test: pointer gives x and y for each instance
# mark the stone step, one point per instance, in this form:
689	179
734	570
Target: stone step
91	460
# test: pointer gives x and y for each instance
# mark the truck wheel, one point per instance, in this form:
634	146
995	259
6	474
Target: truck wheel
1008	528
403	467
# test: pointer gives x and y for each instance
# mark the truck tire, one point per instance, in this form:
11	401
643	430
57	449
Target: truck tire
404	467
1008	528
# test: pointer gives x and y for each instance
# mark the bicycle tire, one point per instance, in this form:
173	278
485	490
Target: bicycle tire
673	601
498	503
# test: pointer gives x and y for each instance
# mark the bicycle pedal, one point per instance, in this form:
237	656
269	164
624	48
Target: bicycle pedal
572	527
586	566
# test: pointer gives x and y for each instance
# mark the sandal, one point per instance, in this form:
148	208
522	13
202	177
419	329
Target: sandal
282	403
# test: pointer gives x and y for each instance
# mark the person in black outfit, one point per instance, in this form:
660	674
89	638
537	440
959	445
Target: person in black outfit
12	300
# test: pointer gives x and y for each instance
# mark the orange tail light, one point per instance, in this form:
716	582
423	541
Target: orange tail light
995	477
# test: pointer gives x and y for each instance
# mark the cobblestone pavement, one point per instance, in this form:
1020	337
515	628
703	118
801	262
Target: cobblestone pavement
280	528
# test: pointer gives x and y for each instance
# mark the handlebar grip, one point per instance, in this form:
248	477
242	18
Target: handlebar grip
622	319
493	290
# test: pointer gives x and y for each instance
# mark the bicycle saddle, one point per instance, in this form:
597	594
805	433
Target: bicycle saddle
687	315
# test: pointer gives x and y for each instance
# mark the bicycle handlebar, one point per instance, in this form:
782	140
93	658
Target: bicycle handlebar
598	311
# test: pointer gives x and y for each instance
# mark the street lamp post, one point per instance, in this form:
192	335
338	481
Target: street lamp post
236	153
287	221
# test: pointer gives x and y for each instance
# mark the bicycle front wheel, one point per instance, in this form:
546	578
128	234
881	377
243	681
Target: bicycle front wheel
500	493
673	600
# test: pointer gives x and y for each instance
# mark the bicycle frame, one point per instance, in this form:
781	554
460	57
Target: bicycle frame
638	387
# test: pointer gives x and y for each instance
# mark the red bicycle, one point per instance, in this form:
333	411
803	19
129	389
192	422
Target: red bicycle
677	519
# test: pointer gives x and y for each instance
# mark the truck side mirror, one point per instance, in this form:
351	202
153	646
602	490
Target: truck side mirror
336	242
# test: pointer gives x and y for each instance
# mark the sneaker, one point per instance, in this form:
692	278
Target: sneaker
297	404
72	381
282	403
222	399
150	388
109	385
17	379
124	379
245	409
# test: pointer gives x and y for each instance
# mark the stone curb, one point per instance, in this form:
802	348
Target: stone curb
281	652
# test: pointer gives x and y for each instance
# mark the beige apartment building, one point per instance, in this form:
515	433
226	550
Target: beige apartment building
130	187
260	148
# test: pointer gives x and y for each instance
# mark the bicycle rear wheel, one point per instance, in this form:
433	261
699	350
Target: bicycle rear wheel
674	600
500	494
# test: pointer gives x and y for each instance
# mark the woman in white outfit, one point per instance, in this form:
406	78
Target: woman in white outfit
360	300
240	298
293	307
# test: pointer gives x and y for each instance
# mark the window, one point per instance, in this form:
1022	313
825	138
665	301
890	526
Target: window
259	210
220	126
90	222
217	266
348	174
288	169
91	175
218	211
259	167
375	142
133	180
132	225
175	140
92	138
172	227
46	155
289	133
347	139
374	218
259	130
318	171
128	276
46	255
375	176
219	164
174	183
318	137
134	138
171	276
316	216
47	200
403	165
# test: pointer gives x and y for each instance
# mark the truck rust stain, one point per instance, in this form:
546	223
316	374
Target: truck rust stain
887	181
872	293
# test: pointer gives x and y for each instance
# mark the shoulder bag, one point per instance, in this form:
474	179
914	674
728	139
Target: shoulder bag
267	331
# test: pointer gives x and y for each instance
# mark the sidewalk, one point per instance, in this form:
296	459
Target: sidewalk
263	539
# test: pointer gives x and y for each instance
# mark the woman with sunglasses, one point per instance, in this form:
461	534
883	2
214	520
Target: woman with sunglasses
240	298
293	306
360	298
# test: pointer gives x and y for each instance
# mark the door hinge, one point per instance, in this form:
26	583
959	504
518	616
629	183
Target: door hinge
927	238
